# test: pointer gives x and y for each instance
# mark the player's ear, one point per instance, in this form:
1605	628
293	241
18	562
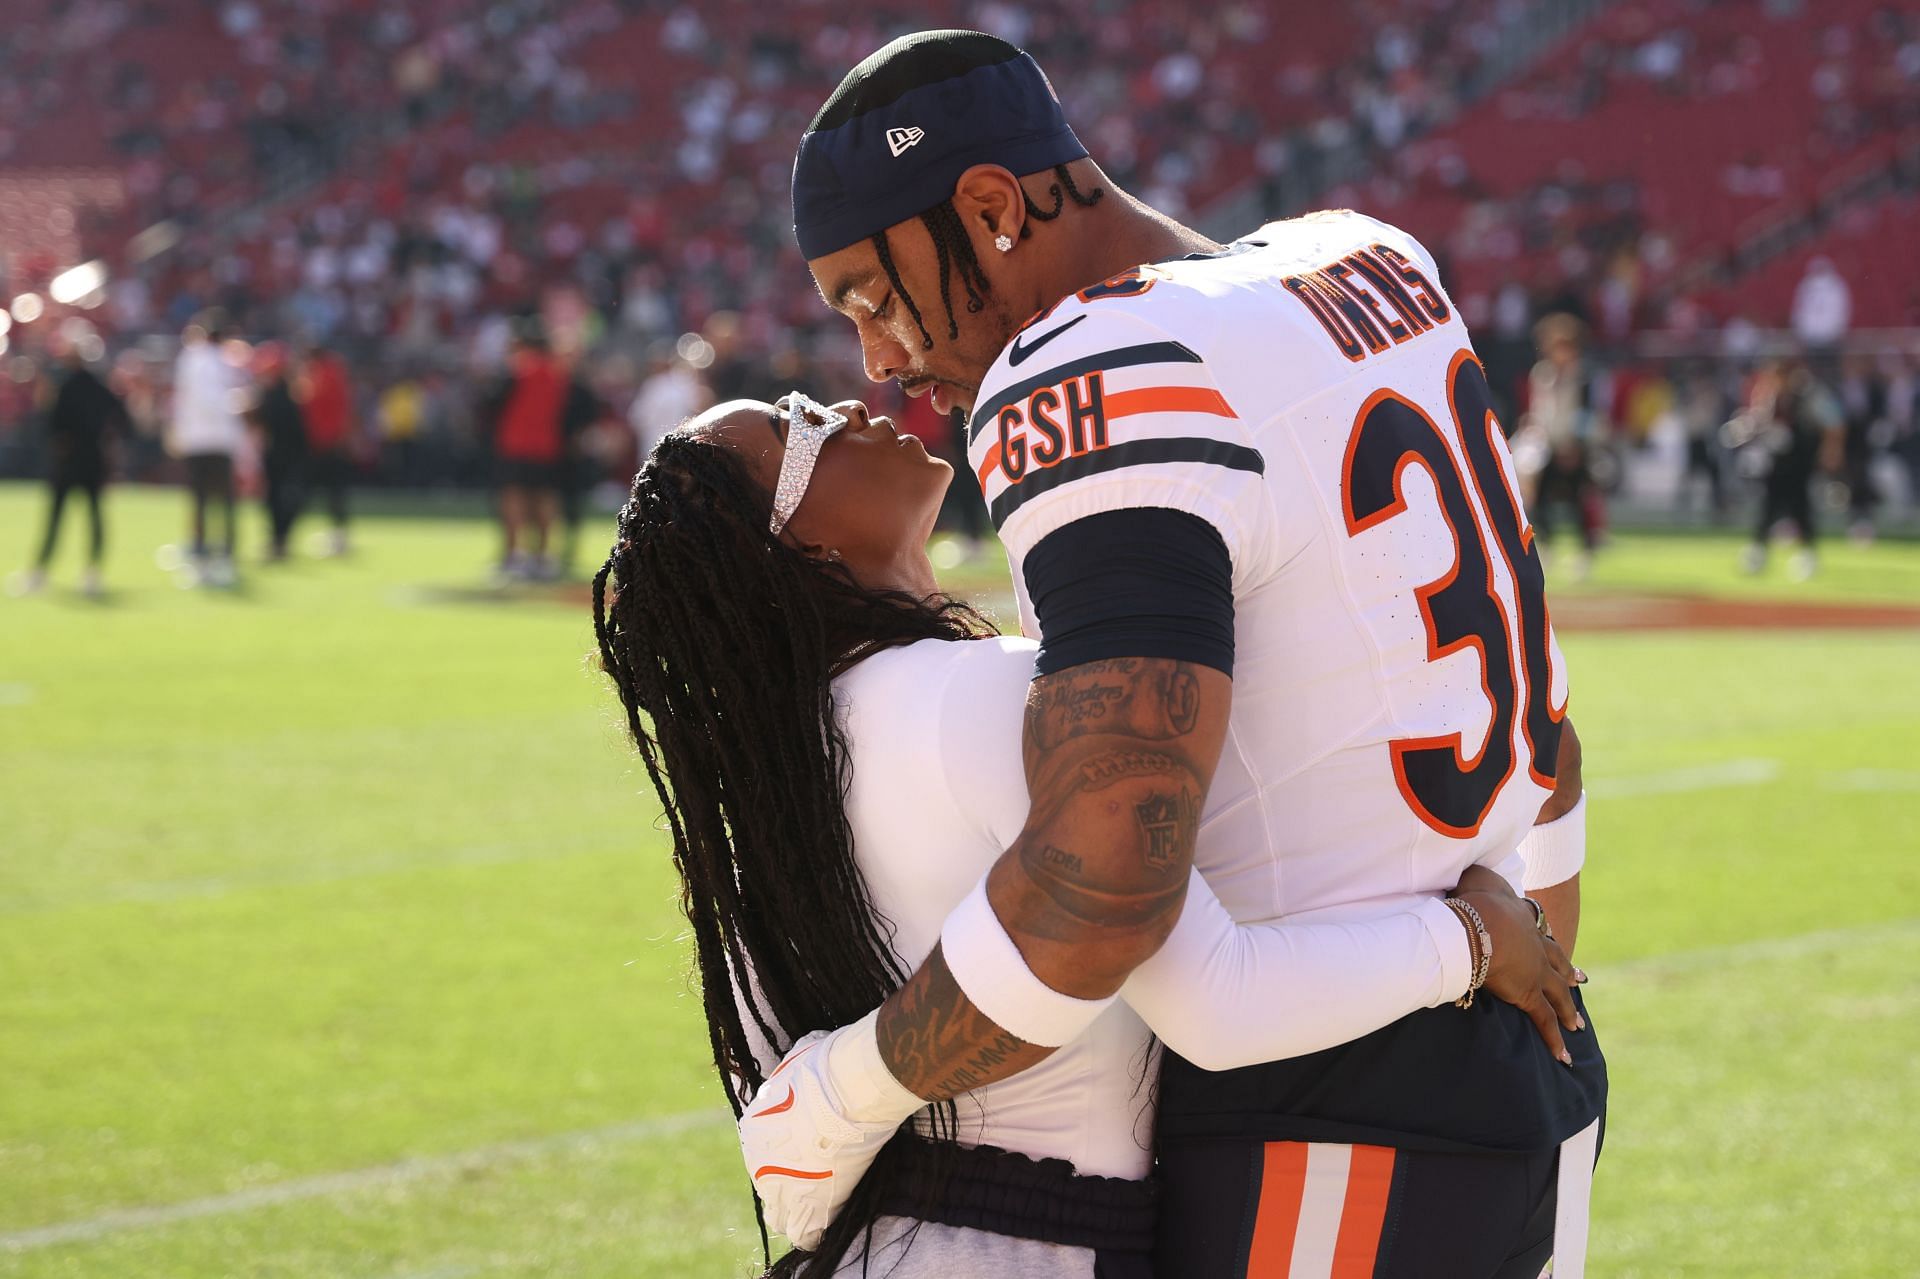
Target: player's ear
991	204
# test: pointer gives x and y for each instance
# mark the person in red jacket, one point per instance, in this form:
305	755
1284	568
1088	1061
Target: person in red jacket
529	452
329	413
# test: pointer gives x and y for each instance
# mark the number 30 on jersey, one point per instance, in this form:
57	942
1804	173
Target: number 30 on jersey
1468	607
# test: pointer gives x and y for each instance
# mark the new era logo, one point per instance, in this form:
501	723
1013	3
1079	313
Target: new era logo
899	140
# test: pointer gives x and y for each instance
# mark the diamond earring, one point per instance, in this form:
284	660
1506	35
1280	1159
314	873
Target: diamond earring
1004	243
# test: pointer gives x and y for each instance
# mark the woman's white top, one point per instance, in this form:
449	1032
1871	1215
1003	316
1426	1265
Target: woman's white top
939	792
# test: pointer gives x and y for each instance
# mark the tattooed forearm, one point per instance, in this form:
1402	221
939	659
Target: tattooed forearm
1136	697
1103	771
938	1045
1060	857
1170	821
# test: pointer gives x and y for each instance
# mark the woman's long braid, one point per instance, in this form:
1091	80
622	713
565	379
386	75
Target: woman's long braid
956	255
721	642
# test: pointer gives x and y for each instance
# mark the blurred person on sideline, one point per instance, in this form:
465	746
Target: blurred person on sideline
1863	400
1822	307
281	430
401	411
209	393
328	407
84	416
1702	407
1562	420
1794	426
578	465
528	447
672	392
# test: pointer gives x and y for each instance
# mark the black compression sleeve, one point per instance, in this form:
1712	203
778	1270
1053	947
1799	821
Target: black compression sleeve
1143	582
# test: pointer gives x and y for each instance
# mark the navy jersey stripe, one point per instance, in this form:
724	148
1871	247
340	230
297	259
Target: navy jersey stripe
1118	358
1234	457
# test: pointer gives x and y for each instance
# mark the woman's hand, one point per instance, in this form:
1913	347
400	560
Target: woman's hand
1529	969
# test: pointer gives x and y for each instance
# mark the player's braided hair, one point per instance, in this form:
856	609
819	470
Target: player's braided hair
951	242
722	641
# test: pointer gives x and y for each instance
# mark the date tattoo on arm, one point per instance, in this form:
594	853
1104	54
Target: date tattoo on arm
1119	754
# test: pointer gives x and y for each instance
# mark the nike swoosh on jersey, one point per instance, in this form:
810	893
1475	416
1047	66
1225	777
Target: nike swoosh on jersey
1019	354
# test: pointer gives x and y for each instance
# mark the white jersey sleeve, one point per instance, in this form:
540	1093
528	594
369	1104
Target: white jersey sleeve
1226	995
1096	408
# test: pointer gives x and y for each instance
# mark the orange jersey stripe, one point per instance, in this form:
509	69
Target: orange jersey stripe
1168	399
774	1170
1283	1181
1369	1179
988	467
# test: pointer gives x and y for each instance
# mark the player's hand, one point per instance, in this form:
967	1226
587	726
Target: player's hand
802	1149
1529	970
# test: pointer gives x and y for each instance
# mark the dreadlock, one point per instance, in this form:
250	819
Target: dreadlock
1082	199
722	642
955	248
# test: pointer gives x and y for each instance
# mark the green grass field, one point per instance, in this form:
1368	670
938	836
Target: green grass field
336	938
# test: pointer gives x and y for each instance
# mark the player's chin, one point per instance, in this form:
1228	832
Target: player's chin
947	398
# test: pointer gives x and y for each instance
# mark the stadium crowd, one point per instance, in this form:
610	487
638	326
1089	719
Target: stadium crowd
412	185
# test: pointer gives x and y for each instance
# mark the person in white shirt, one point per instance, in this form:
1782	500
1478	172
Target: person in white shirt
836	745
208	434
1822	306
672	392
1293	632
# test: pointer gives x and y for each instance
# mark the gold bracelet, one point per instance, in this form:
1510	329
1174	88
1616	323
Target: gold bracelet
1481	945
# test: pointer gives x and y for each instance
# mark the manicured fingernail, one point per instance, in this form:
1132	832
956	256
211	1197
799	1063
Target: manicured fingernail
1566	1058
1580	975
1579	1022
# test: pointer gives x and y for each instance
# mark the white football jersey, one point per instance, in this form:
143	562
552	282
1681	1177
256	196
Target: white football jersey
1312	393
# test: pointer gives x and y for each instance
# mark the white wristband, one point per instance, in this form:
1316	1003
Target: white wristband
996	978
1556	850
866	1090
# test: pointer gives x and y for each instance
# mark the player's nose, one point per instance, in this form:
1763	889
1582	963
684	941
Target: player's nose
882	357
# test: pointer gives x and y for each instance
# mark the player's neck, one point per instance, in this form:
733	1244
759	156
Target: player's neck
1117	235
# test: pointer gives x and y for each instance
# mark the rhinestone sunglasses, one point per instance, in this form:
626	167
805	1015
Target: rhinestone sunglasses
809	423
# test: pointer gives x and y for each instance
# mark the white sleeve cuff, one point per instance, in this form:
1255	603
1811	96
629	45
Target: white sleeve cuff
866	1090
1456	952
990	969
1556	850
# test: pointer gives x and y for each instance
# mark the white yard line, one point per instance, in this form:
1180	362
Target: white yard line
1765	949
169	890
1670	781
1680	781
407	1171
327	1185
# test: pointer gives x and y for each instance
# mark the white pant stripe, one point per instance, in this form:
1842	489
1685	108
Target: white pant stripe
1324	1199
1570	1212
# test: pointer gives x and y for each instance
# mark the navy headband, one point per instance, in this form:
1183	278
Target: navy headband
903	126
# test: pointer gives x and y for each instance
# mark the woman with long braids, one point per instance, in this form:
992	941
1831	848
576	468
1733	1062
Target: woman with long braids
833	741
